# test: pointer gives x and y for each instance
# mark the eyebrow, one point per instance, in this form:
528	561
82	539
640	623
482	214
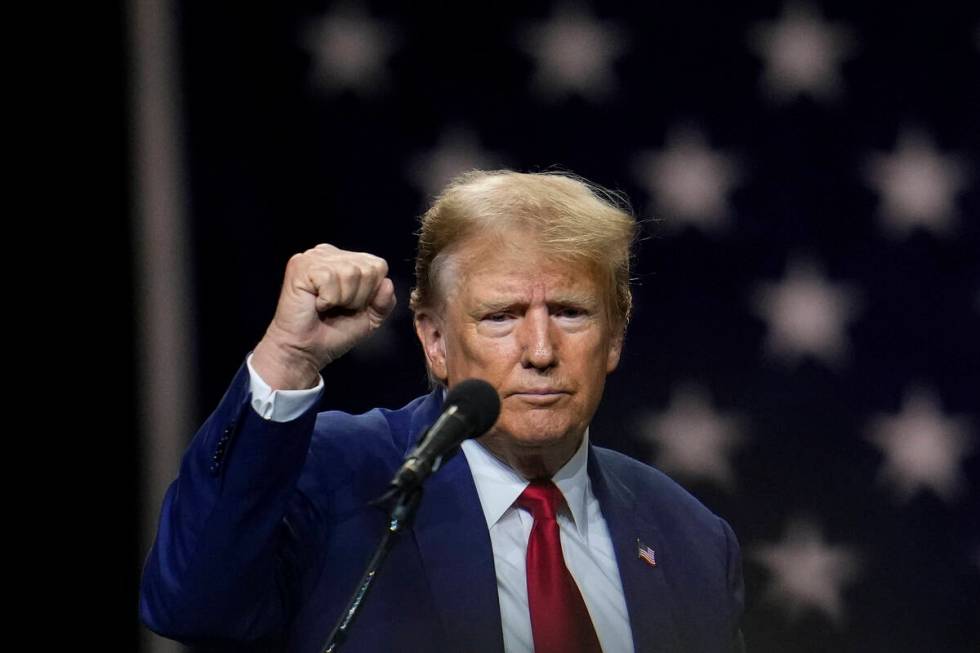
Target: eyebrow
561	299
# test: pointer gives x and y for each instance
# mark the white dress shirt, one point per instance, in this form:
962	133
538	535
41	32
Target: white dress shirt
585	541
279	405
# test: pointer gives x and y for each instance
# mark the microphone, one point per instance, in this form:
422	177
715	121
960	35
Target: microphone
470	409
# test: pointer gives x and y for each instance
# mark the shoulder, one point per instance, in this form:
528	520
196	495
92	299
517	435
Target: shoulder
365	448
379	427
641	477
660	496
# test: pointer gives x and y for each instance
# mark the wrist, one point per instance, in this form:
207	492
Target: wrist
283	367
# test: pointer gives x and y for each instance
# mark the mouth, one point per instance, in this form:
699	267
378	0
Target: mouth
540	397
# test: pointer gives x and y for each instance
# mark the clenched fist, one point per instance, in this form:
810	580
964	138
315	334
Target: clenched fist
331	299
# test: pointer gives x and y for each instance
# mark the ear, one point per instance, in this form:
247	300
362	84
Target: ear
428	328
615	350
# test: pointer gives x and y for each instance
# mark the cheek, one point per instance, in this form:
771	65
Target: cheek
472	358
487	352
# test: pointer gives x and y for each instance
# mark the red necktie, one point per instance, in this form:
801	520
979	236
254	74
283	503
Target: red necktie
560	621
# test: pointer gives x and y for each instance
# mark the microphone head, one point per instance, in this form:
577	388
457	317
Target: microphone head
478	402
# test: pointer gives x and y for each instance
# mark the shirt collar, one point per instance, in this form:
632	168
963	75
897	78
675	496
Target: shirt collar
498	485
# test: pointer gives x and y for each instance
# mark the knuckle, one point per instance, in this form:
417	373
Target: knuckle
375	265
347	271
295	263
323	278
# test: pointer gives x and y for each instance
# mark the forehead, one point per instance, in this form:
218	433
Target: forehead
515	266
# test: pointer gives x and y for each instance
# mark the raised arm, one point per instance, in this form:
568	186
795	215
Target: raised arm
234	531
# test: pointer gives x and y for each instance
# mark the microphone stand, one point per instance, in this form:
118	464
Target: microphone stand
405	502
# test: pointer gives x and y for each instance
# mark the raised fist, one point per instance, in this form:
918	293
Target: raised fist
331	299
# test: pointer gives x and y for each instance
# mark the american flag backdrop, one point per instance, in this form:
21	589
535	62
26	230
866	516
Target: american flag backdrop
805	351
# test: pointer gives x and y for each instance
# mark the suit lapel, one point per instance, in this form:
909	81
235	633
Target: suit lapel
455	548
645	587
454	544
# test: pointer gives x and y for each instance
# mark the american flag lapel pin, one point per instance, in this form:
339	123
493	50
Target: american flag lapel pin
646	553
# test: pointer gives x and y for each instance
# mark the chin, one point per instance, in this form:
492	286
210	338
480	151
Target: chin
531	434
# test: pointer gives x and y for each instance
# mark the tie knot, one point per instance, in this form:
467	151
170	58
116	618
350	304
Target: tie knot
542	499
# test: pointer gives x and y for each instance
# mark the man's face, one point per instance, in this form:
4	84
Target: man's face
538	330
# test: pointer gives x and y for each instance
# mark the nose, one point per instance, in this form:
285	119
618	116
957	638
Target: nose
539	349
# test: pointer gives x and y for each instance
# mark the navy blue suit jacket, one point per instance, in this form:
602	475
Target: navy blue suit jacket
265	533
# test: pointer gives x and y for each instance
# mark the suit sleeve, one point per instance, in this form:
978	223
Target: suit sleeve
736	588
234	531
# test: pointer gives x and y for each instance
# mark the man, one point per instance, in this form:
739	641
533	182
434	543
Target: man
532	539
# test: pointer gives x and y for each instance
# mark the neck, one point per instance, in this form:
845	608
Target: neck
532	462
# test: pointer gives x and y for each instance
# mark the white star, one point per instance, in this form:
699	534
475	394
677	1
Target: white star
458	151
807	573
803	53
923	449
574	54
349	49
692	439
806	315
689	181
917	185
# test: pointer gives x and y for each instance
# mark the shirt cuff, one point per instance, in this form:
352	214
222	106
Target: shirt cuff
280	405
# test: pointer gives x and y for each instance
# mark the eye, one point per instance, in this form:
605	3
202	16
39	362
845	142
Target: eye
497	317
570	311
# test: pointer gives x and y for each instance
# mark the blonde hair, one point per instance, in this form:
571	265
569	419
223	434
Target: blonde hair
571	218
